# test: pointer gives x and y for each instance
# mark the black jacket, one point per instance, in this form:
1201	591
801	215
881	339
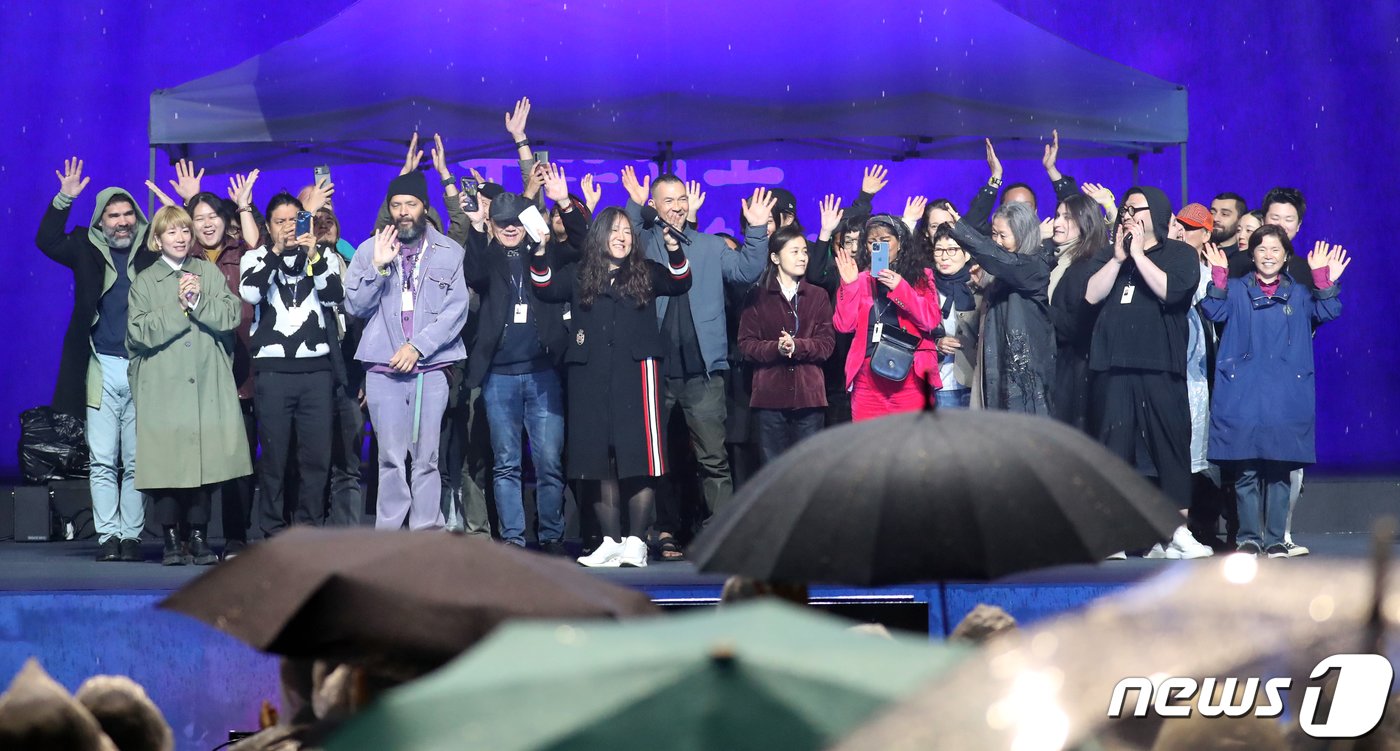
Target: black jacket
88	263
486	270
979	212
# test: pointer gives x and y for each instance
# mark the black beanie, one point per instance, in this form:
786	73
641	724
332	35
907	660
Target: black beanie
412	184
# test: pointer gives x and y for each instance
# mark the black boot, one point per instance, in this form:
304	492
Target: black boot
199	547
172	555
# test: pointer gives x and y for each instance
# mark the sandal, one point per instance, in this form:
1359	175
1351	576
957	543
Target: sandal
670	548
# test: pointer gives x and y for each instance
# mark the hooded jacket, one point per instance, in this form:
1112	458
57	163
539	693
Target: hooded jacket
1138	330
84	251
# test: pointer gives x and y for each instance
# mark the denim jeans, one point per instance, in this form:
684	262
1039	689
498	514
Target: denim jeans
1261	488
953	398
534	402
111	433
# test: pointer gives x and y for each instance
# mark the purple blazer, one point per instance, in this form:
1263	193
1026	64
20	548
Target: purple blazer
439	313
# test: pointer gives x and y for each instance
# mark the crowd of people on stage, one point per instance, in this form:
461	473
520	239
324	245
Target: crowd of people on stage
217	332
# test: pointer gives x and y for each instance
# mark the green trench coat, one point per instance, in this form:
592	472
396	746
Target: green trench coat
189	429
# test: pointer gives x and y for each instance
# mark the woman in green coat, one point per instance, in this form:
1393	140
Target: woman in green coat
189	430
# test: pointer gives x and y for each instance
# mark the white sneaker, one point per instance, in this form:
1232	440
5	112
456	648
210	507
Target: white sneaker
1294	549
634	553
608	555
1119	556
1185	546
1157	551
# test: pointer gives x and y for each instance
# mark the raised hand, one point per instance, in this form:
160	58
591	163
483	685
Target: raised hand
515	120
592	193
240	189
874	180
992	161
386	246
914	209
187	183
758	209
414	156
638	192
160	194
846	265
1337	262
831	214
71	181
556	184
535	181
1052	152
1318	257
696	198
1138	245
1047	229
320	195
439	155
1215	256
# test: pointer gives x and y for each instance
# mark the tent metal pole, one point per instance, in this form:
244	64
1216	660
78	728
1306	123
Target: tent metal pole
150	198
1182	149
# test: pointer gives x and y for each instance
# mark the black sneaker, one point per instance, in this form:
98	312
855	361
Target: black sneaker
556	548
131	551
1277	550
1250	548
109	551
233	548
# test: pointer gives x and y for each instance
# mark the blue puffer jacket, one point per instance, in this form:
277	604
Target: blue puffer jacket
1264	404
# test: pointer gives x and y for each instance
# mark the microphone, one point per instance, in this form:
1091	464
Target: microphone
652	219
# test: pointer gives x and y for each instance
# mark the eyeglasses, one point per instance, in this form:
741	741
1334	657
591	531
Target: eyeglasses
851	242
1130	210
947	251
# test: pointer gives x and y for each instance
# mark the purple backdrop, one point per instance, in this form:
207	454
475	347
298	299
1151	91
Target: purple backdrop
1281	93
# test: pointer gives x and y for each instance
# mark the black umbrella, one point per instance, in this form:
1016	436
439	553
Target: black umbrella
947	495
410	599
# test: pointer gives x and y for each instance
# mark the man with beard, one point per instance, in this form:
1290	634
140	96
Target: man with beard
1225	212
406	282
288	281
92	371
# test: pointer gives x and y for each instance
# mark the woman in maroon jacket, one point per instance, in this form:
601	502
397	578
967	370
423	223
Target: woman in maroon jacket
786	331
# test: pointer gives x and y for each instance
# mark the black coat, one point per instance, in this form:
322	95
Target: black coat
1018	341
487	271
1073	318
614	378
89	266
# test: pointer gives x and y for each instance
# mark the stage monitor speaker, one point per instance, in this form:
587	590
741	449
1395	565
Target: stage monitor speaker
33	514
7	515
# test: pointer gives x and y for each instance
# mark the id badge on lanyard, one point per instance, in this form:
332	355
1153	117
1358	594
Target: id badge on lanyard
406	302
1127	294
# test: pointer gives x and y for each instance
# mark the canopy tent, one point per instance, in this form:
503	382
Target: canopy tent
743	79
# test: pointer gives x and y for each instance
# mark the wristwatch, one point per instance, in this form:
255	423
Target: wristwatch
994	182
446	181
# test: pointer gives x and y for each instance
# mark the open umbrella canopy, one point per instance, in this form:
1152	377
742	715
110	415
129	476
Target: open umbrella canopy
952	494
1050	687
410	598
762	675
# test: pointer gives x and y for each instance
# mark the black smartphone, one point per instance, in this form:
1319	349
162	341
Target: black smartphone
303	222
469	189
322	172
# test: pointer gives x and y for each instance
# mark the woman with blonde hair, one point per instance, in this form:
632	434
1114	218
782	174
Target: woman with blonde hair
189	429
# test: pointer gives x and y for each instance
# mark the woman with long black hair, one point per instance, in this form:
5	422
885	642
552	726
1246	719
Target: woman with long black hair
1079	233
614	425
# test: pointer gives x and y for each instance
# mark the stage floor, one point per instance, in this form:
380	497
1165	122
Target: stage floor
82	618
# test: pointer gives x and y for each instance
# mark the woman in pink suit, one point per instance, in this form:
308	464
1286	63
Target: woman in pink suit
901	296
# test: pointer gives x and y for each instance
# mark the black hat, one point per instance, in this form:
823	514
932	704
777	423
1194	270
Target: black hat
412	184
786	202
491	190
506	208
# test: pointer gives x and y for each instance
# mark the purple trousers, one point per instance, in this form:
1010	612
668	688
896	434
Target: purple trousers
391	405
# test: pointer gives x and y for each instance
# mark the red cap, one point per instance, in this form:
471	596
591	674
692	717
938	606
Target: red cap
1196	216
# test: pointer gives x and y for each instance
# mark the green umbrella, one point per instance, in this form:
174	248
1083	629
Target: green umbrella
763	675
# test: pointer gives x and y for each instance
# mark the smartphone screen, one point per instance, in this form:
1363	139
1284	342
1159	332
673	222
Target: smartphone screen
322	172
469	189
303	222
879	257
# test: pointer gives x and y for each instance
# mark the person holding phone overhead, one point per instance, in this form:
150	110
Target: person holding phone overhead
890	310
180	333
287	281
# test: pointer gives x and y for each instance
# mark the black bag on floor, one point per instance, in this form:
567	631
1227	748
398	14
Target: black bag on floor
52	446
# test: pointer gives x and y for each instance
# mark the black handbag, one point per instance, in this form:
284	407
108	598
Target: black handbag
894	353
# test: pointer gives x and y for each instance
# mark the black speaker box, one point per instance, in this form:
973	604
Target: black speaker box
34	517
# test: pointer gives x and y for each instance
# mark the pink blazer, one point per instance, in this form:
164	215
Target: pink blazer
918	313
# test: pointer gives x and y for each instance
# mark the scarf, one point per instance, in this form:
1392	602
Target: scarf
958	286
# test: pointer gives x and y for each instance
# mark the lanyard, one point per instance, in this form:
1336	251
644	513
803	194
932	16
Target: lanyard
412	285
